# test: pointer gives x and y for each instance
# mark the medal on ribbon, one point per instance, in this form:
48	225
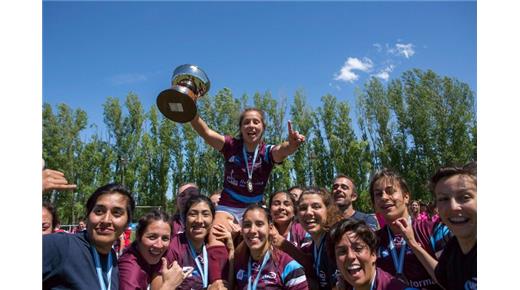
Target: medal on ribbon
398	260
249	185
250	172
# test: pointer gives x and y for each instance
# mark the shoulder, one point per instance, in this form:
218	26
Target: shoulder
129	263
292	272
232	146
62	242
385	280
364	216
178	245
435	234
231	142
130	256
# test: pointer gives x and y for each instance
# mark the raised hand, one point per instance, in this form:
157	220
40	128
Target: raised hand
53	179
276	238
295	138
405	230
173	276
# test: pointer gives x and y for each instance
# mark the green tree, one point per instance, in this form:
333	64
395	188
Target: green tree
62	147
418	123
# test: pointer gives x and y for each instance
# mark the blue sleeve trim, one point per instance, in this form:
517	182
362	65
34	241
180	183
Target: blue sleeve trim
267	152
440	232
289	268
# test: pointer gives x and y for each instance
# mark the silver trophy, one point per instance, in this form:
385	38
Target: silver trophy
178	103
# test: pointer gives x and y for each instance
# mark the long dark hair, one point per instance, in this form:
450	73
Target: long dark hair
195	199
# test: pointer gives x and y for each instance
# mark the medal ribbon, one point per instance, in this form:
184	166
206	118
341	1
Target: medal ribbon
398	263
317	256
99	270
203	272
255	283
250	172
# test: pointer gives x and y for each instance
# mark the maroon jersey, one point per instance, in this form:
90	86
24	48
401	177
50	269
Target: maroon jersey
298	236
179	251
134	271
433	237
324	261
279	272
235	193
383	281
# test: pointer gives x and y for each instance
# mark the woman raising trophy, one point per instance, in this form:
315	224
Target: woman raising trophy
248	164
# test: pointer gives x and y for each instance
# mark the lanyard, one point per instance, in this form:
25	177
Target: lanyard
100	271
203	272
250	172
398	263
288	238
317	255
258	274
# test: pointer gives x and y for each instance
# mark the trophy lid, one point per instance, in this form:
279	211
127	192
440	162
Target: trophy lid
194	74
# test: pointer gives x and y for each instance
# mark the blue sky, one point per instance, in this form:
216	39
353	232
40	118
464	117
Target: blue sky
92	50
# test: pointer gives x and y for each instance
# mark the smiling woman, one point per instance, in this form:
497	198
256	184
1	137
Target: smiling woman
317	212
139	264
259	265
188	248
248	165
86	260
286	228
408	249
455	189
355	247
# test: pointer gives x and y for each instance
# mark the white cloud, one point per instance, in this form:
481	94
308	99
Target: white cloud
127	78
346	72
384	74
406	50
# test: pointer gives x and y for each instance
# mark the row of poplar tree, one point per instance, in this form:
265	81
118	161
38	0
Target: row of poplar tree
412	124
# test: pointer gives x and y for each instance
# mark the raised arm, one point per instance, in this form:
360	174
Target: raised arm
281	151
211	137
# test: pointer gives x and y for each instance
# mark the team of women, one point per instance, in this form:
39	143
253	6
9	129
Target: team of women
292	242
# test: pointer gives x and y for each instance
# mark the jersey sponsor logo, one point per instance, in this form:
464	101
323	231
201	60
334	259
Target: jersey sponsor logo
240	274
421	283
235	159
271	276
232	180
471	284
